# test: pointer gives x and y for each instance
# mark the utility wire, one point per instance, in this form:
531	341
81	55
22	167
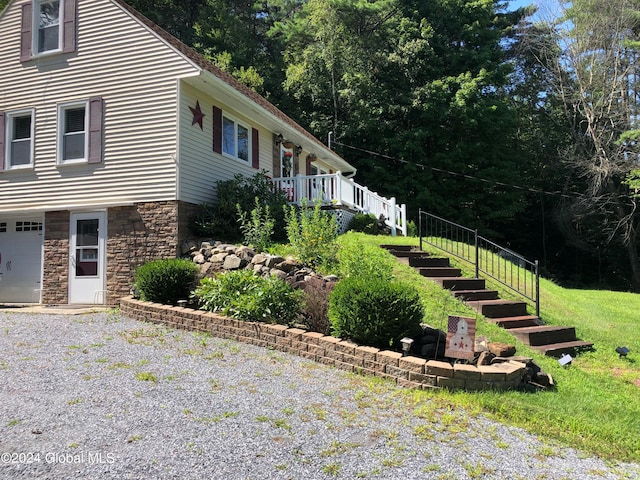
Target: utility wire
456	174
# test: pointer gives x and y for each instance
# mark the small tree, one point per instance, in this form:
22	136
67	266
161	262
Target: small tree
257	227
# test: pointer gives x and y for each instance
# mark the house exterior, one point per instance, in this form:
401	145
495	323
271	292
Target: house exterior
112	132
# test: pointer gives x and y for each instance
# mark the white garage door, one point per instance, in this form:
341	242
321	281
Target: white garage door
20	259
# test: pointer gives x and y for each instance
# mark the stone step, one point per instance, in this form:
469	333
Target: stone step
460	283
516	322
558	349
544	335
480	294
405	248
499	308
408	254
429	262
438	272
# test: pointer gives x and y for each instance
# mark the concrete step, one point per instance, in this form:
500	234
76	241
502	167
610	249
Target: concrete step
460	283
429	262
516	322
480	294
408	254
499	308
544	335
558	349
433	272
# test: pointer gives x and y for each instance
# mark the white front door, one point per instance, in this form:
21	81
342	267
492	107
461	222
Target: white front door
87	258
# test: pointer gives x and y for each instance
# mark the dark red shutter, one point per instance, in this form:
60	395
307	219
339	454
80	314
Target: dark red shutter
308	165
2	117
26	35
255	149
69	26
217	130
96	107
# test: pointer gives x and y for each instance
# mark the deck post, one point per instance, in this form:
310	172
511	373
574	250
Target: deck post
392	216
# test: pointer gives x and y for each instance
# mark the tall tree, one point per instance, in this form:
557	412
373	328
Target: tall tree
595	76
418	82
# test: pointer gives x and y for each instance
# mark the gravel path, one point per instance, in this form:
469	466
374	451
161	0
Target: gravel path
100	396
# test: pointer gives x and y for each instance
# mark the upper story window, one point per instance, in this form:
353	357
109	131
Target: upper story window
235	139
80	132
48	23
72	137
48	27
20	135
16	139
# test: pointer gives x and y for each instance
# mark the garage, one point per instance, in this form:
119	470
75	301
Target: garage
20	259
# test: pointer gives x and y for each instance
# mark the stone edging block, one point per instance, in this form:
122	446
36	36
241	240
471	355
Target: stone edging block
409	371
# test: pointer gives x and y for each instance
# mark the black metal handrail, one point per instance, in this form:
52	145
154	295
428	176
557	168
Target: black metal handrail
501	264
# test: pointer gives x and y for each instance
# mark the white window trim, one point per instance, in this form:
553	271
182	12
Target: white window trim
9	118
60	134
237	122
35	30
321	170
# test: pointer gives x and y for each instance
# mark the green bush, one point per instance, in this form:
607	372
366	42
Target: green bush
257	227
358	259
243	295
312	234
412	229
365	223
166	281
219	220
374	311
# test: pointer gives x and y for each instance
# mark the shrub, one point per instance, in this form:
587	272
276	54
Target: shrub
315	313
358	259
365	223
412	229
219	219
257	227
243	295
374	311
166	281
312	234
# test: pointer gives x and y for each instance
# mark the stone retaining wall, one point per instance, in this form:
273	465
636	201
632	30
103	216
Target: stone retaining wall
406	371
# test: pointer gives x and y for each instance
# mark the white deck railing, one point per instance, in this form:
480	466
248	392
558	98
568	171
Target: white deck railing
335	189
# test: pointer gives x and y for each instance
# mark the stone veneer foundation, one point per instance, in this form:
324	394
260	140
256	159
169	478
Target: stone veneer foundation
135	234
406	371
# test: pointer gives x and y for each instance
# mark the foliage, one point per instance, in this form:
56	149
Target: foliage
243	295
258	227
375	312
315	314
166	281
312	233
220	219
359	259
365	223
412	229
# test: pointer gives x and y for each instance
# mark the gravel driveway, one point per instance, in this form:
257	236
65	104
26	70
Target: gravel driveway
98	396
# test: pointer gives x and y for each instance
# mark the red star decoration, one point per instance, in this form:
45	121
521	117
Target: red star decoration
197	115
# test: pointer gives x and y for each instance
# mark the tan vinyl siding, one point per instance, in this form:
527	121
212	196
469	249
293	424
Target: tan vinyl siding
200	167
134	72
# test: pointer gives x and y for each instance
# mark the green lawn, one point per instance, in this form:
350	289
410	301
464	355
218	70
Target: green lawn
596	406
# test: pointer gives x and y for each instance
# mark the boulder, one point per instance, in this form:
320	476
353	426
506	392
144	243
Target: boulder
233	262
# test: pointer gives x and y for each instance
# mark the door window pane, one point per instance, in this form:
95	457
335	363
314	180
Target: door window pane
86	248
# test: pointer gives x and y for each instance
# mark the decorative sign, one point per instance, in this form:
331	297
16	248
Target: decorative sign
461	337
197	115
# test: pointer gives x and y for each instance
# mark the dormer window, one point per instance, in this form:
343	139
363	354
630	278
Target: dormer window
48	27
48	22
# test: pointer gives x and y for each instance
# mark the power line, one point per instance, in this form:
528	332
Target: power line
456	174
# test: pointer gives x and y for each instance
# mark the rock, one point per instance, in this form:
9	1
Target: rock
485	358
502	349
206	268
233	262
282	275
187	246
259	259
219	257
199	259
289	265
273	261
245	253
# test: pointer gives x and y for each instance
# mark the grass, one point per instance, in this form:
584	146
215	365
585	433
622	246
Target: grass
596	407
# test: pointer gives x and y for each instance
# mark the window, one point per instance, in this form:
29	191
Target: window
72	141
28	226
19	135
235	139
48	25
